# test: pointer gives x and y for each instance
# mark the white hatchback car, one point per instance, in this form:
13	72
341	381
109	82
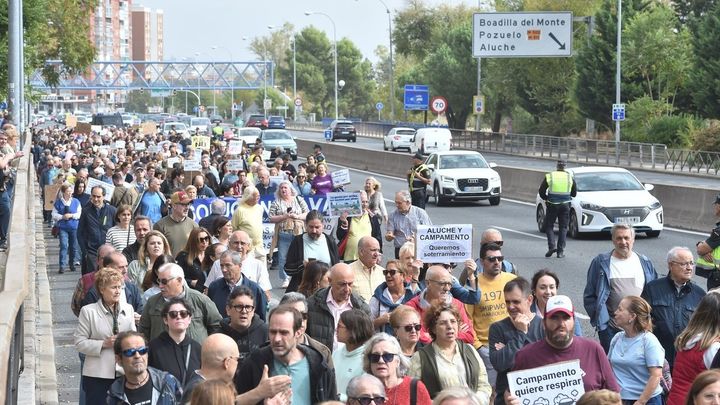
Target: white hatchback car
399	138
606	196
462	175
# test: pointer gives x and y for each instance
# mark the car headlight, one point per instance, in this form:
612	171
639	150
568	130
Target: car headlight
591	206
446	179
494	179
655	205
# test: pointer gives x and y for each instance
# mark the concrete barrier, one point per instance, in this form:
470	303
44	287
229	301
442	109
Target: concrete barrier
16	285
684	207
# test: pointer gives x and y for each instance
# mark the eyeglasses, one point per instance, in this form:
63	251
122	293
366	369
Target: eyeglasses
391	272
495	258
165	281
204	239
178	314
369	400
243	308
131	352
386	357
684	264
409	328
441	283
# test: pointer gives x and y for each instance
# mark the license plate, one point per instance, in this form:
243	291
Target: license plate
345	132
473	189
627	220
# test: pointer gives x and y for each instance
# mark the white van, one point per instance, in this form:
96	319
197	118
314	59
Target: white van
433	139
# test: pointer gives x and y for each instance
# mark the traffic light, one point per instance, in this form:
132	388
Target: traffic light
174	92
142	90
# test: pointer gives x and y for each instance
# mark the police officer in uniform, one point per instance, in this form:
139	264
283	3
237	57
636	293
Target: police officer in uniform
418	177
557	189
708	252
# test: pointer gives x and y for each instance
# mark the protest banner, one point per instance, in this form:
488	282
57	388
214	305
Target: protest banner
71	121
51	194
148	128
554	384
444	243
234	147
338	203
192	165
109	188
201	142
82	128
340	177
234	164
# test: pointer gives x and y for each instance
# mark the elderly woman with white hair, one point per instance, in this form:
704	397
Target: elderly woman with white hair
288	213
248	217
383	358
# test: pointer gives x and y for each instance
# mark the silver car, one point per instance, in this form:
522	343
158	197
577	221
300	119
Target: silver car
399	138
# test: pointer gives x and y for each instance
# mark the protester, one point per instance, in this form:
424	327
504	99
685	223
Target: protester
311	245
406	324
154	245
705	390
66	215
246	328
123	233
177	226
288	213
191	257
315	277
388	295
353	330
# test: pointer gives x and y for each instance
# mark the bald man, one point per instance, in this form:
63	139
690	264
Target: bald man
367	269
219	359
326	305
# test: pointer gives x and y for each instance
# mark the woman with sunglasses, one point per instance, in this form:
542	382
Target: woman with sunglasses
191	257
448	361
154	245
384	360
406	323
98	325
302	186
388	295
173	350
353	330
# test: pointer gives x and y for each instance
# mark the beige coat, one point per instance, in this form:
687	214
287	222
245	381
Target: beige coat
95	324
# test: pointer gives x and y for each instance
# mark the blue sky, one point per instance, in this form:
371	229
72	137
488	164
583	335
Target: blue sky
223	23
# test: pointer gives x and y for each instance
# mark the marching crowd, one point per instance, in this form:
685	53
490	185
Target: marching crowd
177	309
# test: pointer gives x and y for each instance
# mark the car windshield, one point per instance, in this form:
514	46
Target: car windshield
606	181
462	162
200	121
405	132
276	135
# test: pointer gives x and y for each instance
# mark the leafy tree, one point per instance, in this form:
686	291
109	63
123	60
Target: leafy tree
705	77
277	47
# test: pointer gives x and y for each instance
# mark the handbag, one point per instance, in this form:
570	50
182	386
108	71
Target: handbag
55	231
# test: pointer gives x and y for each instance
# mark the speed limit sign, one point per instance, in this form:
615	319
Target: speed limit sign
438	104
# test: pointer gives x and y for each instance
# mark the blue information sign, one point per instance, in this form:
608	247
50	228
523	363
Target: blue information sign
417	97
379	106
3	105
328	134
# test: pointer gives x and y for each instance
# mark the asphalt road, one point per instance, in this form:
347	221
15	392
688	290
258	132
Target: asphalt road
524	245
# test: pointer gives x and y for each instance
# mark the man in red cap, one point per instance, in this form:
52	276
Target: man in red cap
177	226
560	345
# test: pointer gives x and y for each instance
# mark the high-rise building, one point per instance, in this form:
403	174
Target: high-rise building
147	34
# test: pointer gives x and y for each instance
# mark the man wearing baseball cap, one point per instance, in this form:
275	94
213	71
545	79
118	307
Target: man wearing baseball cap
177	226
708	252
560	345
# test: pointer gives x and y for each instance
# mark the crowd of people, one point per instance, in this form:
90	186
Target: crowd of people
173	308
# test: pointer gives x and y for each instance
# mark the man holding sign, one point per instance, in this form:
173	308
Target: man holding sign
560	345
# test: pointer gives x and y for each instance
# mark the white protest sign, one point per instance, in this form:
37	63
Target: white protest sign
554	384
171	162
234	164
268	232
139	146
234	147
444	243
109	188
266	155
153	149
119	144
339	203
340	177
191	165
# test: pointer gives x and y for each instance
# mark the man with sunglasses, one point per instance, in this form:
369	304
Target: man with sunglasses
490	235
141	384
491	308
312	380
171	279
177	226
366	389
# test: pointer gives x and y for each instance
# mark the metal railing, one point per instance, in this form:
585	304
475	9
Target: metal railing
579	150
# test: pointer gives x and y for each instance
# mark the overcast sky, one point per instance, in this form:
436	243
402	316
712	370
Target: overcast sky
197	26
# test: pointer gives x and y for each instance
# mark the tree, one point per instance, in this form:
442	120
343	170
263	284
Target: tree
277	47
705	78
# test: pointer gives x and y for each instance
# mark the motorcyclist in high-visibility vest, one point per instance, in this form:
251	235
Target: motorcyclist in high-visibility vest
708	263
557	189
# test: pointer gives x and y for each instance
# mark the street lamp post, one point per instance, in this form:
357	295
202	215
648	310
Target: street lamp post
232	85
617	78
308	13
293	39
392	69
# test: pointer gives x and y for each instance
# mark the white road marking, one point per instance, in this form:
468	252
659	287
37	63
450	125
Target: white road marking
518	232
